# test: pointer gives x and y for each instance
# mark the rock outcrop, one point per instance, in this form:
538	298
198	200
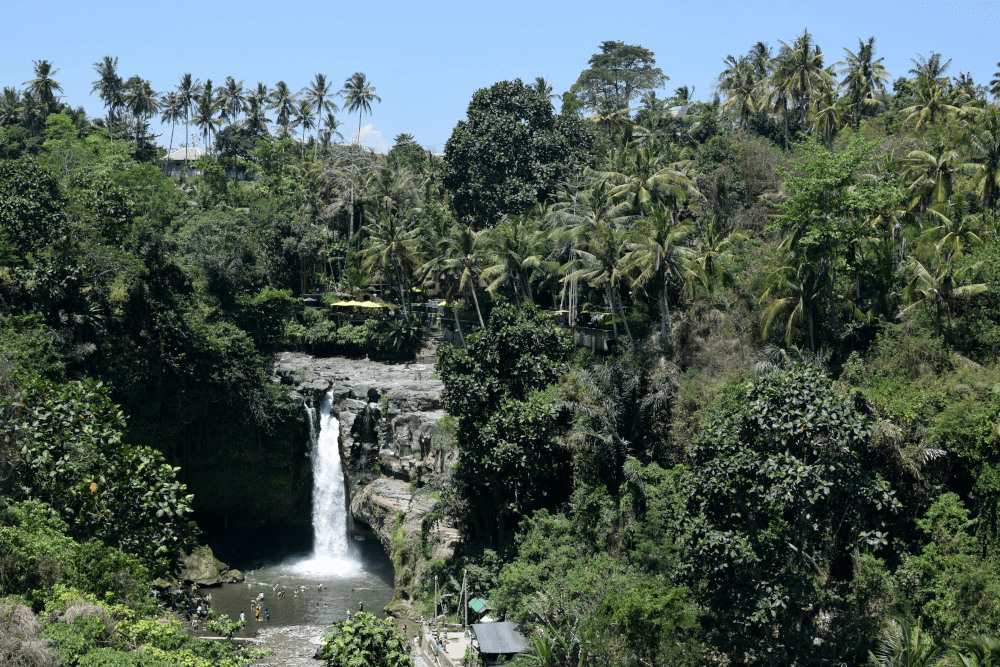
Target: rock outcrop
388	415
201	567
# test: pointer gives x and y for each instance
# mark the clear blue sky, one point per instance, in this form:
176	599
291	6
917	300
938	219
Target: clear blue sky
426	59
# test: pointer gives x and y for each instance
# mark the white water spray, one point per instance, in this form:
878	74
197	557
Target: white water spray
331	553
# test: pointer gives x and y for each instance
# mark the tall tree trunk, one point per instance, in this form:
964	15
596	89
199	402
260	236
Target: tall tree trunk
475	300
611	305
786	126
621	309
319	118
458	323
187	144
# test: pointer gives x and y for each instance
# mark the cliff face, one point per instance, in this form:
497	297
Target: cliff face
388	416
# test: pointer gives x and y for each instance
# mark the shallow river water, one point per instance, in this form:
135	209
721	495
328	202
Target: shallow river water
366	578
350	572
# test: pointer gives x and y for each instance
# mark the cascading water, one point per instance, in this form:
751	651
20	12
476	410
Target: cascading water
331	552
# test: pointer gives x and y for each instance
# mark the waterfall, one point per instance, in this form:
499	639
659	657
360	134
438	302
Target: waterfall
331	553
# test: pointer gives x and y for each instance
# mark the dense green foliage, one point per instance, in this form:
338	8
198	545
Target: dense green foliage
366	641
784	452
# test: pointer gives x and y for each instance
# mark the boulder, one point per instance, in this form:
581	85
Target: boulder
201	567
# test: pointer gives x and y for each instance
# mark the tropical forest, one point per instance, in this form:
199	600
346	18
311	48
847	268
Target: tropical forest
625	376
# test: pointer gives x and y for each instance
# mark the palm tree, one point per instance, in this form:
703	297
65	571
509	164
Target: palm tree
984	169
256	121
956	228
934	98
392	248
204	115
233	99
330	125
317	93
864	78
30	110
780	95
658	256
43	86
543	88
142	101
109	88
828	115
979	651
935	290
929	69
742	89
610	115
187	92
967	88
713	251
516	247
462	254
304	117
358	94
602	262
903	645
282	102
995	84
10	106
793	290
930	169
171	114
643	178
802	69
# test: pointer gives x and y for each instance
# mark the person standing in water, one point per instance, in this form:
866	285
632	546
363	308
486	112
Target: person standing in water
361	606
267	615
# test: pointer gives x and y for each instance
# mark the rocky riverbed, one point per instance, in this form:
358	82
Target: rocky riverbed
292	647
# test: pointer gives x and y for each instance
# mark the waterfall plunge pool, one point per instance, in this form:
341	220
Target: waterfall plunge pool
350	572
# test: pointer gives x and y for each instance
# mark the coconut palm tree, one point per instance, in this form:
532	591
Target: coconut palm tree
864	78
172	113
304	117
257	121
187	91
233	99
516	247
657	256
780	95
983	170
968	90
207	106
995	84
317	93
602	261
109	88
740	85
935	98
903	645
141	100
934	290
803	70
930	170
543	88
462	251
392	248
644	177
955	229
827	115
713	251
330	125
793	290
358	94
31	110
282	101
43	86
10	106
610	115
929	69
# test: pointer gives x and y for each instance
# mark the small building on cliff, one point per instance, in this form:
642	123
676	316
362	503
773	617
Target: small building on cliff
498	639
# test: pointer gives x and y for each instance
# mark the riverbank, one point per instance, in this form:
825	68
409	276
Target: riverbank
293	648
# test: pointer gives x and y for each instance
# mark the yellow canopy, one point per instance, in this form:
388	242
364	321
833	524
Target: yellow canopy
362	304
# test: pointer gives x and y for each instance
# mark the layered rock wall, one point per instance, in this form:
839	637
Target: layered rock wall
388	416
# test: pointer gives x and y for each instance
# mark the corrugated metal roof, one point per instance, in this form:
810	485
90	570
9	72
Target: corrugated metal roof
499	638
193	153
